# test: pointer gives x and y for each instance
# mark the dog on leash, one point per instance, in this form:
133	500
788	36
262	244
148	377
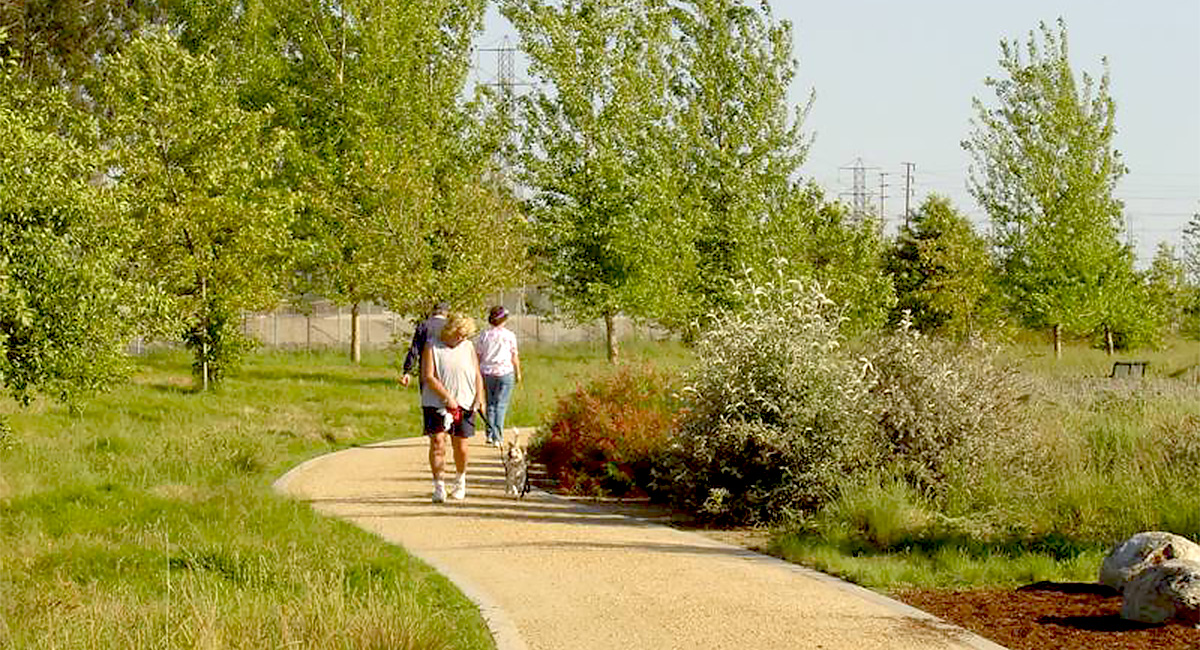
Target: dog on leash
516	470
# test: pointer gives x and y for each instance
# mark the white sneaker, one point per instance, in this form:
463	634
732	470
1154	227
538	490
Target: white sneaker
460	489
439	492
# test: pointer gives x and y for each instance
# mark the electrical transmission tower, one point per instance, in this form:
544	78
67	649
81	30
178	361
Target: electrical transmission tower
908	191
860	196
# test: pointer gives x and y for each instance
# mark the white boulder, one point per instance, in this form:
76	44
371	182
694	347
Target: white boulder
1167	591
1142	551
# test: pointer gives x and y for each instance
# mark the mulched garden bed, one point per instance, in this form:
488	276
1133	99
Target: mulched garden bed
1051	615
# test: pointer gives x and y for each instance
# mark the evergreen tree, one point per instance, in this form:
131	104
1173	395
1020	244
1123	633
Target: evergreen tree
942	270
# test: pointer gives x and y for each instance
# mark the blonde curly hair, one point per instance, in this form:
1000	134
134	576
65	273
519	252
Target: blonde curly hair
458	326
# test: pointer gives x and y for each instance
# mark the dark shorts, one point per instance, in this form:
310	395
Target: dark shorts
435	423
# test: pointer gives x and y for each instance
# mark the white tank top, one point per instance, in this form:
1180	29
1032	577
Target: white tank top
455	368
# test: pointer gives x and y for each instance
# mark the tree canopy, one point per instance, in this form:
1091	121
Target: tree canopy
942	270
1044	168
197	174
67	306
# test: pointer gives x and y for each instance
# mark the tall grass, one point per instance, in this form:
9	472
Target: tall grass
145	518
1109	458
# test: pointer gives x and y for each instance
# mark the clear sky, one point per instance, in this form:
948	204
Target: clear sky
894	82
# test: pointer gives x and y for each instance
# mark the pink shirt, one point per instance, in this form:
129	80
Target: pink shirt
496	346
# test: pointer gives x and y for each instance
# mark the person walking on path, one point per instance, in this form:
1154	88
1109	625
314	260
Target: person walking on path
500	365
451	392
427	330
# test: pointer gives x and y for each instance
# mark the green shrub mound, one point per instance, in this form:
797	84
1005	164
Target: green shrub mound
770	418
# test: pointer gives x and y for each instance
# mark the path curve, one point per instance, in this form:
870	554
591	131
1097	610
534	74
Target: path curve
550	573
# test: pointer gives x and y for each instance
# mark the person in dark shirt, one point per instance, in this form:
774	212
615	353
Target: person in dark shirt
427	330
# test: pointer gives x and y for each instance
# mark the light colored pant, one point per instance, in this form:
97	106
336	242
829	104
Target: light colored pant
499	389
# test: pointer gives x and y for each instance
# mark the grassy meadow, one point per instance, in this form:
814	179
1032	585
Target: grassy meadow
144	517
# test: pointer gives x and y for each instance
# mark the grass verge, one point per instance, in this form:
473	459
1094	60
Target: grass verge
145	518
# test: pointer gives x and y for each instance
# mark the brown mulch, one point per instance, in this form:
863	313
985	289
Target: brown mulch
1051	615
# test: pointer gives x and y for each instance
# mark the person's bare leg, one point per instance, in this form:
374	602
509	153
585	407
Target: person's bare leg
437	465
461	445
460	465
437	454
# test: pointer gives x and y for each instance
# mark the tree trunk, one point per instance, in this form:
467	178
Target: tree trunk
1057	341
610	337
1108	341
204	341
355	343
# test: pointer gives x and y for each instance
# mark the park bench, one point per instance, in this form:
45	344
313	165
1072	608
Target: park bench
1129	369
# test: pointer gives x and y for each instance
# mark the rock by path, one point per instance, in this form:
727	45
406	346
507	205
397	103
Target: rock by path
553	574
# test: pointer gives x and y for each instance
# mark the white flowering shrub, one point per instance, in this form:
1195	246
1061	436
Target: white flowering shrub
772	412
938	404
779	412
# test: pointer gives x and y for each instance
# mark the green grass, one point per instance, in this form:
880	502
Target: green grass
146	519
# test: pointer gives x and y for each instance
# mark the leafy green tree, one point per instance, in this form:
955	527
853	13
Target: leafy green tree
817	239
662	153
1191	250
1190	259
1044	168
941	269
66	309
197	173
1168	288
606	238
740	143
58	42
400	196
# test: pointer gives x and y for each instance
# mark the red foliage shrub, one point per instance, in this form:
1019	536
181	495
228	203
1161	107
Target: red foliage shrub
601	437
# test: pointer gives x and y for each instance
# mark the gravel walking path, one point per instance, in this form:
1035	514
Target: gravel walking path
550	573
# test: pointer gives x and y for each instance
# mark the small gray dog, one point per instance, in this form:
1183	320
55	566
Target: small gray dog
516	470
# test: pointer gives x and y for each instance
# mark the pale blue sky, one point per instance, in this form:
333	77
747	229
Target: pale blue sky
894	83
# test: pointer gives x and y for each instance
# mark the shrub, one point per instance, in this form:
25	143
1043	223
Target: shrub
601	438
771	418
935	403
780	411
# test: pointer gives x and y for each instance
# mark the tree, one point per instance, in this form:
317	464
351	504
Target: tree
606	237
662	153
59	42
1044	168
66	309
941	269
1191	267
197	173
740	144
1191	250
1167	287
817	240
400	197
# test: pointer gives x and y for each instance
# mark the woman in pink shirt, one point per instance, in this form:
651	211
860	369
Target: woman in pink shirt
501	368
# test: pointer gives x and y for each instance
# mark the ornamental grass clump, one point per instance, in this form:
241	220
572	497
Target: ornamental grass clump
772	415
